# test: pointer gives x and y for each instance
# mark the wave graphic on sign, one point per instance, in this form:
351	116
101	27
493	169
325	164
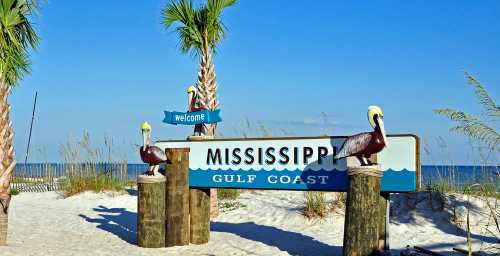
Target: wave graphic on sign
327	180
287	170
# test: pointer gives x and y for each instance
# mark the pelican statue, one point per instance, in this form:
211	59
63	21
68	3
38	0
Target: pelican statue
151	155
193	106
363	145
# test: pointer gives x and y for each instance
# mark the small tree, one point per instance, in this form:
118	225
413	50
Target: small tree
473	126
17	37
199	31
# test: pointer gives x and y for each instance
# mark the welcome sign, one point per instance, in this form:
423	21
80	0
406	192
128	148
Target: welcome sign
191	118
304	163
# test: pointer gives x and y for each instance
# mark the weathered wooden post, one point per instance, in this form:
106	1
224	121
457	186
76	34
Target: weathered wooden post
361	236
177	197
199	207
383	223
151	211
199	210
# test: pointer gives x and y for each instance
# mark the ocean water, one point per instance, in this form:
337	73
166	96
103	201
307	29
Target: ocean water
431	174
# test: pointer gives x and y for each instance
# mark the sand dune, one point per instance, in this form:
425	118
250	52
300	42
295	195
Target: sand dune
270	224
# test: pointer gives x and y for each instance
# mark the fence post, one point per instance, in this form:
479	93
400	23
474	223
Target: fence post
177	196
125	164
362	217
151	211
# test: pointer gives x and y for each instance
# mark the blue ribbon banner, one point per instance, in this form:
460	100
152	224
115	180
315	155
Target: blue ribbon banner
191	118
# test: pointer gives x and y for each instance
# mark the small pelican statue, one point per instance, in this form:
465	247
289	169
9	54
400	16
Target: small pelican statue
193	106
363	145
151	155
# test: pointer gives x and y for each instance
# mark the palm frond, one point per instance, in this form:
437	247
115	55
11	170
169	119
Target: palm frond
215	26
17	38
200	29
484	98
179	11
13	67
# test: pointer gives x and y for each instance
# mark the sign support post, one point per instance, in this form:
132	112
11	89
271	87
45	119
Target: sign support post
151	211
361	236
177	197
383	221
199	212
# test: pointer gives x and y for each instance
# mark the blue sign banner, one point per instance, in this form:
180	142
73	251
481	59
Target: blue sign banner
327	180
191	118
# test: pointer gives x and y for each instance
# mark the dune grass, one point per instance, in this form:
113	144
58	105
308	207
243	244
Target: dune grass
85	171
315	204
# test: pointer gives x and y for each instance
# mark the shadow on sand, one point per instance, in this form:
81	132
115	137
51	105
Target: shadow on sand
291	242
123	224
117	221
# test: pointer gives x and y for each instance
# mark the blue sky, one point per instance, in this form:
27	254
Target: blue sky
106	66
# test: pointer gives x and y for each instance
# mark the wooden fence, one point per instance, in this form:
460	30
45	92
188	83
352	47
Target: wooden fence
40	177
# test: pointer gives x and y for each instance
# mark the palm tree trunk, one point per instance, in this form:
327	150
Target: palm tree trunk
207	89
7	161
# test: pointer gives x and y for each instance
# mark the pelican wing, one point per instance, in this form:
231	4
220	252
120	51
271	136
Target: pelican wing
158	153
354	144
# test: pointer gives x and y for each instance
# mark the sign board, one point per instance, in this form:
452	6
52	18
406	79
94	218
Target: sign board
191	118
297	163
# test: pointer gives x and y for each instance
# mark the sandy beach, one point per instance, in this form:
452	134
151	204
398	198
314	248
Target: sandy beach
270	223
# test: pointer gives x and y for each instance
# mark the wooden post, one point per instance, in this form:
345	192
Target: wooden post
362	211
151	211
383	224
199	209
214	207
177	205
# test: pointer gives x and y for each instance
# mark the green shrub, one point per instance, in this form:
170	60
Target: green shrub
228	193
230	206
14	191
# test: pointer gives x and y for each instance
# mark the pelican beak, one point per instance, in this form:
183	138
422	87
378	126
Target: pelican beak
382	130
144	137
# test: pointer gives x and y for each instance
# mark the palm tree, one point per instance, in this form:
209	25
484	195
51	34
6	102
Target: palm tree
199	31
17	37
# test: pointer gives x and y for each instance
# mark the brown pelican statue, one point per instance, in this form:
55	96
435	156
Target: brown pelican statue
193	106
363	145
151	155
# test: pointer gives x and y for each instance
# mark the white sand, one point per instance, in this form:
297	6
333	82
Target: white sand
270	224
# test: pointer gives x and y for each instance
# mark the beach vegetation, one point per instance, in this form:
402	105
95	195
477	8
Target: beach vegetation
14	192
226	206
315	204
88	168
474	126
483	129
228	193
338	202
